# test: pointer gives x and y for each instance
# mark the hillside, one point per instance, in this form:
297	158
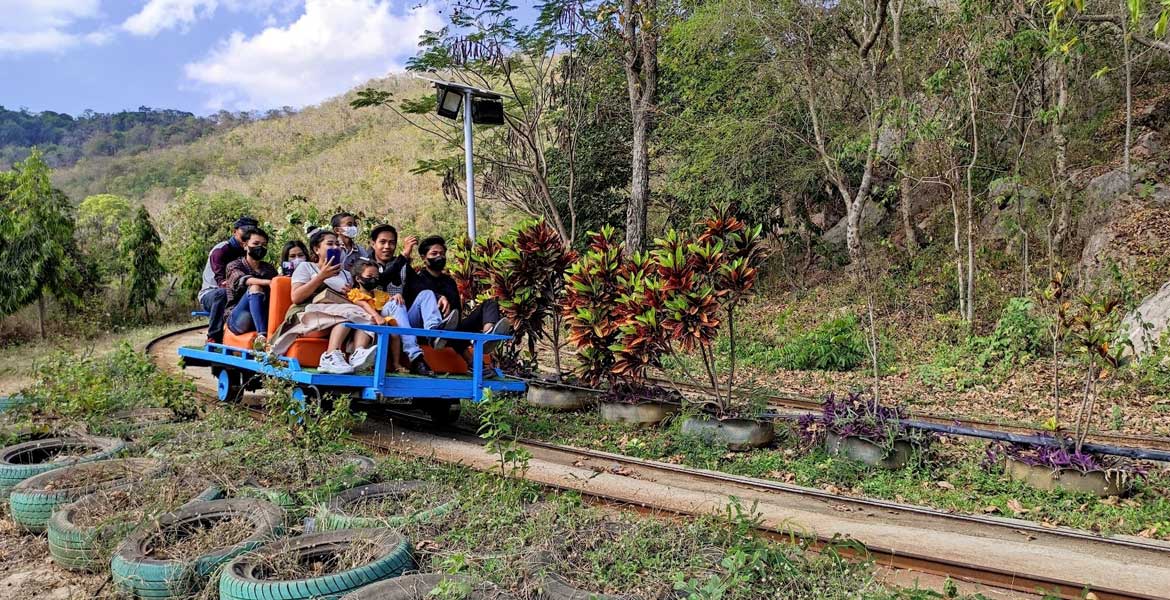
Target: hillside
330	154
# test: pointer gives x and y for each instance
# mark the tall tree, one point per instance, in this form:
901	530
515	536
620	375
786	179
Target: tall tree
638	23
38	251
141	246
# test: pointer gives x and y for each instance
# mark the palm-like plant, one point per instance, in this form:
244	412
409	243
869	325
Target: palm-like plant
591	293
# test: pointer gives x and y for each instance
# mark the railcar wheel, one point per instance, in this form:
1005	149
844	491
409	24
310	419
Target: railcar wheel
228	385
442	412
305	395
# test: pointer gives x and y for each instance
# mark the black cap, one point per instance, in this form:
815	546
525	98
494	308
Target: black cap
245	222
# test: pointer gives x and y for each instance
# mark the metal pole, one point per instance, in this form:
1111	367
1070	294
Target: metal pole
470	171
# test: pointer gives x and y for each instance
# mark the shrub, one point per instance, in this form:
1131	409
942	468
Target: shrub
191	226
835	345
1020	334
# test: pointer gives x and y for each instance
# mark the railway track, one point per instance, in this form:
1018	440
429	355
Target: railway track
781	401
1001	553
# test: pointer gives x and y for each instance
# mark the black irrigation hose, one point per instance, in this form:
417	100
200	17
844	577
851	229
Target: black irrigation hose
1015	438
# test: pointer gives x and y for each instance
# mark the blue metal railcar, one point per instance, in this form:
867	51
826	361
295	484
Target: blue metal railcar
438	395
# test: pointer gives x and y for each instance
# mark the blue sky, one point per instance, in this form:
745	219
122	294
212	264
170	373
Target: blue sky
200	55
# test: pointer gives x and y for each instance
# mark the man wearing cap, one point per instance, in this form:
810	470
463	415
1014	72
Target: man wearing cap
212	295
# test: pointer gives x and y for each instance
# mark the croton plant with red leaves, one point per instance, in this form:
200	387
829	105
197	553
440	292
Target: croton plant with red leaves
592	289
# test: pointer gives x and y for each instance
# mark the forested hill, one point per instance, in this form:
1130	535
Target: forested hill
328	155
65	139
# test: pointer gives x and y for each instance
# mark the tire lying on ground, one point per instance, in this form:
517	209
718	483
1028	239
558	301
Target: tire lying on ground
362	469
138	568
338	513
21	461
551	586
79	547
250	576
33	500
428	587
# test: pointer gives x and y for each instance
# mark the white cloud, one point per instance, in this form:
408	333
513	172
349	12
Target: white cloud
333	46
161	15
30	26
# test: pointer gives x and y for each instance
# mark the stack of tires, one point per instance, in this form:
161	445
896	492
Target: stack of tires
21	461
138	571
32	502
77	547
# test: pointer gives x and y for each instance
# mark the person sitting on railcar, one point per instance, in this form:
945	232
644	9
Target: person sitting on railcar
434	303
291	256
391	265
247	283
212	294
369	295
319	288
345	225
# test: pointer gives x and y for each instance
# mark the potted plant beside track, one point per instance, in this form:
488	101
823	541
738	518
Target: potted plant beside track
525	273
1089	329
863	430
702	280
610	305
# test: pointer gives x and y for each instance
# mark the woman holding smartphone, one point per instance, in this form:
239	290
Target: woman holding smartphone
319	285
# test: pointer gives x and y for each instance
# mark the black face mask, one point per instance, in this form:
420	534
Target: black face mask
437	263
257	252
368	284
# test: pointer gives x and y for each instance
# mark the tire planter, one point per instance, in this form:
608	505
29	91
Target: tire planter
559	398
739	434
862	450
1098	483
80	547
419	587
363	467
33	500
551	586
336	514
11	402
21	461
135	572
244	578
645	413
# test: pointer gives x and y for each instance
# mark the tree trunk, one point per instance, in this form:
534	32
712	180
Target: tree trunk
41	315
972	101
641	65
1061	143
1128	87
905	185
853	230
636	211
904	207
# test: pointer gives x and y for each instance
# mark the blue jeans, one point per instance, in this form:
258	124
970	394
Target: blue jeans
423	314
215	302
250	314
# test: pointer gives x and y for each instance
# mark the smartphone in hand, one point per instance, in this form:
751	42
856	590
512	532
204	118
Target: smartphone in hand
333	255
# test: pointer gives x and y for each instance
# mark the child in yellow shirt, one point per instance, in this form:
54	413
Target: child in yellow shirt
365	293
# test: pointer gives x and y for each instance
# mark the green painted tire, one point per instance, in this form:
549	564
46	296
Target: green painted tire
10	402
421	587
243	578
135	572
551	586
336	514
21	461
32	501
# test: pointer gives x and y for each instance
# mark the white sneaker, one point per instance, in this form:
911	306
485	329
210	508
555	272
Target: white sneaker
334	362
363	358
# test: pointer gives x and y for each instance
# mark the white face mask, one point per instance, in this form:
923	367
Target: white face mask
349	231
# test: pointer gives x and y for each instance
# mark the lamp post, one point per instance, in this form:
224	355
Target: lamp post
480	106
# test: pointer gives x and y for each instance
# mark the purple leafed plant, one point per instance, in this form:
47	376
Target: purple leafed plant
1056	457
855	416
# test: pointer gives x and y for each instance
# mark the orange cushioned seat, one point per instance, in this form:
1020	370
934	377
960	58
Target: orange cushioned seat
307	349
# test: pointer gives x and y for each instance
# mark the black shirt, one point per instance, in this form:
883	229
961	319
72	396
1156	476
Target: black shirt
390	274
442	285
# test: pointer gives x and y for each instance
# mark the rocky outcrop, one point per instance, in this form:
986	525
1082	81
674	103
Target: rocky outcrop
872	215
1147	324
1008	196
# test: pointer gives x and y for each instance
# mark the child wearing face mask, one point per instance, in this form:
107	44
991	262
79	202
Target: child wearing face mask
345	225
367	294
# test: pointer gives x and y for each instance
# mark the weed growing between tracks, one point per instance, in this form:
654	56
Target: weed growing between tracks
949	477
498	526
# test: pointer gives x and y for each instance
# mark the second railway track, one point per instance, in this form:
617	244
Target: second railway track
1003	553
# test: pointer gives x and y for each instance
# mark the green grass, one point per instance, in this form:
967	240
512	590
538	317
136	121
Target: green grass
949	476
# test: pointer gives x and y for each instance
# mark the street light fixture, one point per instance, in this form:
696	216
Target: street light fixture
480	106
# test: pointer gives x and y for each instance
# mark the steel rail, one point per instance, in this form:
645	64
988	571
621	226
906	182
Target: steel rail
882	556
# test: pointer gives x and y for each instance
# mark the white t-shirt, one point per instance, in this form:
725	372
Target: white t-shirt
306	271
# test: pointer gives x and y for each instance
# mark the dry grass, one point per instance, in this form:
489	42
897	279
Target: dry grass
197	538
137	503
363	550
395	505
